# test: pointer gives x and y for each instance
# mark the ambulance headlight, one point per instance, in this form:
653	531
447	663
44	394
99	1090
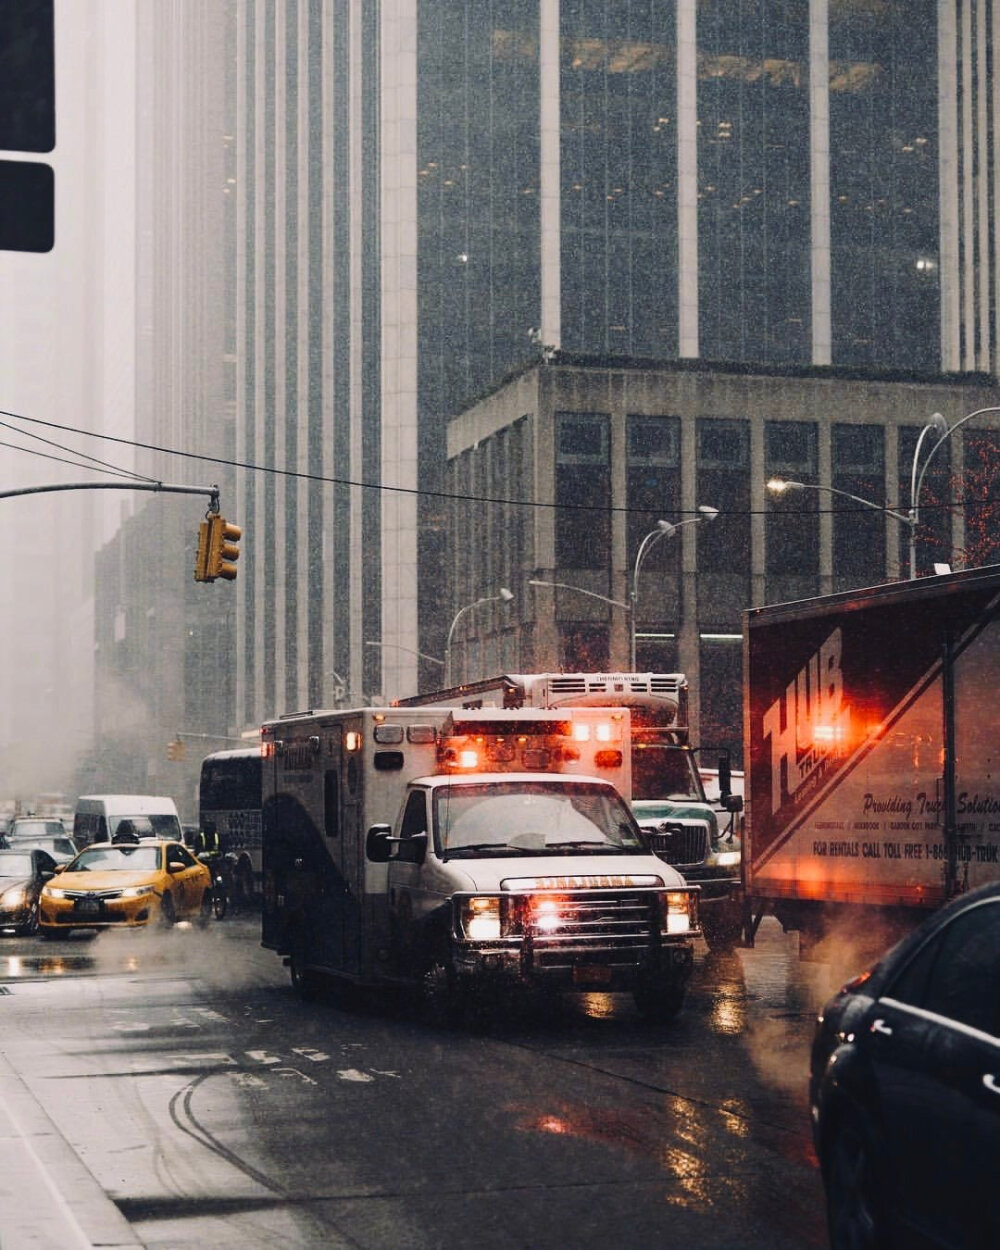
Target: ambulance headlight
479	919
679	911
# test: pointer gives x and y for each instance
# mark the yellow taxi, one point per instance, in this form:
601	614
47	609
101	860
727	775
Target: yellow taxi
127	885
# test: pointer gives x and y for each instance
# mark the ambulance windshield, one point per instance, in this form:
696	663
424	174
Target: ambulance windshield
533	818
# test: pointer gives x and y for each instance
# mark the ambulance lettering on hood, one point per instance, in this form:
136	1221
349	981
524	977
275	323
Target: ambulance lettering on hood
810	723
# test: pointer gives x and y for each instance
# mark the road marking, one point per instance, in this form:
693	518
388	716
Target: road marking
307	1052
247	1080
382	1072
293	1072
262	1056
207	1058
352	1074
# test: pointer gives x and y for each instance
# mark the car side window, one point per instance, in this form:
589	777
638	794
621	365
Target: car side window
176	852
414	822
957	975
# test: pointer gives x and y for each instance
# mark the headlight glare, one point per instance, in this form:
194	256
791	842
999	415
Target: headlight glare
480	919
680	911
137	891
52	892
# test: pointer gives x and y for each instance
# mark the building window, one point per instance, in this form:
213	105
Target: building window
654	486
792	542
753	181
933	535
724	483
583	491
858	458
884	217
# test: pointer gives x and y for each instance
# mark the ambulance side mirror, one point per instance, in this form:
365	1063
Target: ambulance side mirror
378	844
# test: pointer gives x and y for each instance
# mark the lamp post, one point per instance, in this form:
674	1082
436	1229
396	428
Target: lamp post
505	596
371	642
664	529
911	518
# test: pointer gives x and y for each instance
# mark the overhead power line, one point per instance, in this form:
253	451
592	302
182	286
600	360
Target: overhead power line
450	496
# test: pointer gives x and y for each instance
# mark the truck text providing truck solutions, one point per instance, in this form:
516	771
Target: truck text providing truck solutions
871	753
667	795
467	849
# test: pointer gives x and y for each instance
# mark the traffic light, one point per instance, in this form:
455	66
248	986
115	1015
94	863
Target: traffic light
27	124
217	550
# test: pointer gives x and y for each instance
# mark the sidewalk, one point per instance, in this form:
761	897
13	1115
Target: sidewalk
48	1198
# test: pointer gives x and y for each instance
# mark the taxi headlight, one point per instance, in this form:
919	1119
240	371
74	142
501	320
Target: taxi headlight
137	891
51	891
680	911
480	919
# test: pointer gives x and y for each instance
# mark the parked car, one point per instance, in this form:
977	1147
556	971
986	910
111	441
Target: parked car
126	886
29	828
22	875
905	1088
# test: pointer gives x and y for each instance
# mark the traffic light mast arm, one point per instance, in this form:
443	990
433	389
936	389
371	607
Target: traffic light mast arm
211	491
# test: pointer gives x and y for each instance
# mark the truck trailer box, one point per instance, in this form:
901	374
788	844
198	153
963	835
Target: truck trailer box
870	723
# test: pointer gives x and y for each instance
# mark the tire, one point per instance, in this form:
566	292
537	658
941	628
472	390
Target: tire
168	913
50	935
220	902
305	982
205	914
855	1220
659	999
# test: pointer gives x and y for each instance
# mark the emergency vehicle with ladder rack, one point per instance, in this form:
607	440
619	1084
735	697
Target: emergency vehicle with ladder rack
464	849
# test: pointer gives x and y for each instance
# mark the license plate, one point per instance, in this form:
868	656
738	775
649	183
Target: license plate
88	906
591	974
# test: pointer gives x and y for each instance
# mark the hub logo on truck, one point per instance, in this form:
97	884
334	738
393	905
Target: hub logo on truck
809	724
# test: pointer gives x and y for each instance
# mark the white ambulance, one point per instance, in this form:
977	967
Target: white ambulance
464	849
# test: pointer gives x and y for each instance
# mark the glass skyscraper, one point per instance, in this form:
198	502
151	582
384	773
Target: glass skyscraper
430	194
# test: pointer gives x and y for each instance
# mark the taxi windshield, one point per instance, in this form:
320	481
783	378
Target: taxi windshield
117	858
536	818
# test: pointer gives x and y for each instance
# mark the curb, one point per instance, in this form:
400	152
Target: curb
49	1200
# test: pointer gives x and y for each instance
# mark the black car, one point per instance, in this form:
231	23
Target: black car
22	875
905	1088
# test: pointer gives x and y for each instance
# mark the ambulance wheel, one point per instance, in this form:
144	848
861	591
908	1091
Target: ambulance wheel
658	999
305	982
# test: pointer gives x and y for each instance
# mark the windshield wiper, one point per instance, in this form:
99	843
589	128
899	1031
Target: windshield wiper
474	848
587	844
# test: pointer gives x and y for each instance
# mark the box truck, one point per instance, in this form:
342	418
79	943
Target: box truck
872	771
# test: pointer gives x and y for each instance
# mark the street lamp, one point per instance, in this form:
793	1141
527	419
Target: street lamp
911	518
371	642
505	596
664	529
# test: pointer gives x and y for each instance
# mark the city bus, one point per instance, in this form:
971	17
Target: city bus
229	799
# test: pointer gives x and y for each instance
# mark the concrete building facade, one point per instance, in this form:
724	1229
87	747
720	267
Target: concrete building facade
580	459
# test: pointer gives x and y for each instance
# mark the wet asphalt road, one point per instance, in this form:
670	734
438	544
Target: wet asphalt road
212	1107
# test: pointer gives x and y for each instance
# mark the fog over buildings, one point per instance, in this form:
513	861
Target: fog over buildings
67	356
366	265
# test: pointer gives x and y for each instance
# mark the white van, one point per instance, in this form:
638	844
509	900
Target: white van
98	816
